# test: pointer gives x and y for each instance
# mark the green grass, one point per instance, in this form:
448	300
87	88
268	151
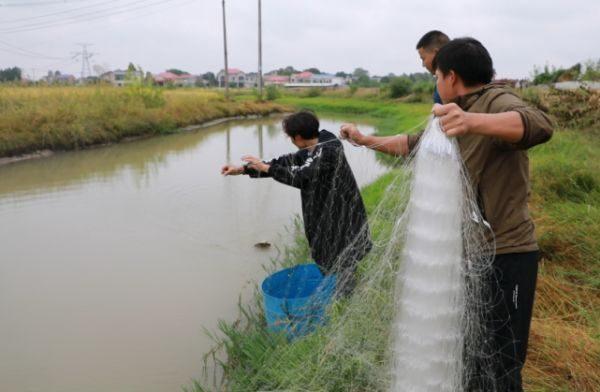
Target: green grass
390	117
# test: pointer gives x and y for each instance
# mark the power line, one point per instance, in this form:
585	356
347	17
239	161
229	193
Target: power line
89	6
153	11
75	18
39	3
66	19
26	52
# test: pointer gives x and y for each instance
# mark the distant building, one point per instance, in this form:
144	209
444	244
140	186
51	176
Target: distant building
120	78
275	79
522	83
251	80
187	80
58	78
573	85
165	78
173	79
236	77
308	79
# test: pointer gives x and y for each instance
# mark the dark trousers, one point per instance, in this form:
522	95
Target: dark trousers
512	289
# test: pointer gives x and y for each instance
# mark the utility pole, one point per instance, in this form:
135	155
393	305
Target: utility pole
260	74
226	76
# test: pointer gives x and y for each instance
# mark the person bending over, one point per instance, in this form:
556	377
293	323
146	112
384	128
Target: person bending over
335	219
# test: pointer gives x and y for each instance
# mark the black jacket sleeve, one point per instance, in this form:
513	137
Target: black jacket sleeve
301	173
284	160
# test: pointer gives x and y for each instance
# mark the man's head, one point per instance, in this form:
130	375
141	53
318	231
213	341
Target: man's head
461	65
301	127
429	45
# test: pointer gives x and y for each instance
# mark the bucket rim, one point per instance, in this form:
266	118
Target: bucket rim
325	278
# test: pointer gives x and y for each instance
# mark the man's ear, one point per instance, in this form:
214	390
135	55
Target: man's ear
453	77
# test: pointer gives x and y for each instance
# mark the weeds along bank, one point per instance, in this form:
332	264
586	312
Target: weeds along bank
565	338
64	118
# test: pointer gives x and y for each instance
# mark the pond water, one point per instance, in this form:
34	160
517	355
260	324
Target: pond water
113	260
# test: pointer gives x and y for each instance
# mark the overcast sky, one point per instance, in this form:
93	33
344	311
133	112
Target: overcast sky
332	35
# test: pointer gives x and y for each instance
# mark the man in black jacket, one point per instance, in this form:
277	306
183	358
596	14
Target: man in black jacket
335	220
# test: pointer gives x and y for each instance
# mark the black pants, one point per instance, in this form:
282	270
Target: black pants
512	289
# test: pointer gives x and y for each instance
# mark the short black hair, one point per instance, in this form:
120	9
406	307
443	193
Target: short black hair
434	39
304	123
468	58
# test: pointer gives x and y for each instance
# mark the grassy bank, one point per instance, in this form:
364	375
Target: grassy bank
63	118
390	117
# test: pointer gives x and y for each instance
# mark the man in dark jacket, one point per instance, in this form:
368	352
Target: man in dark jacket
428	46
335	220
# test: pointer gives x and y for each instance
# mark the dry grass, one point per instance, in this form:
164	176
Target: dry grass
64	118
564	350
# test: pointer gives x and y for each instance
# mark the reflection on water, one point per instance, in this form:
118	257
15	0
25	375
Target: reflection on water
114	259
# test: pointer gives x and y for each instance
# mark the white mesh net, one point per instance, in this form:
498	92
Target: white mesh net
416	318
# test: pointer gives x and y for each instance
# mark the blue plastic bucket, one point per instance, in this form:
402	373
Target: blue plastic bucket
296	299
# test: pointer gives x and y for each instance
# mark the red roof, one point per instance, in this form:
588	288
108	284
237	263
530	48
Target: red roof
277	78
233	71
170	76
166	76
304	75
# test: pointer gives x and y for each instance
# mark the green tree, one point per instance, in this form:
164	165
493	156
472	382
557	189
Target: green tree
592	70
177	71
13	74
313	70
210	78
361	77
287	71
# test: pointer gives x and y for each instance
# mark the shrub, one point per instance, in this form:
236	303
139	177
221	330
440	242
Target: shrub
400	87
272	92
314	92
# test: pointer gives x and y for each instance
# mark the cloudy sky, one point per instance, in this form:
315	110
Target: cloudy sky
332	35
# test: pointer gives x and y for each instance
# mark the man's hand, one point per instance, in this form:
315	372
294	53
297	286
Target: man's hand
453	120
232	170
351	133
256	163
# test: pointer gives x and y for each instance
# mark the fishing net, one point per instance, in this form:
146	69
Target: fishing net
416	317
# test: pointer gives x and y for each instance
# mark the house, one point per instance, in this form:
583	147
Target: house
236	77
120	78
302	78
186	80
58	78
279	80
172	79
165	78
308	79
251	80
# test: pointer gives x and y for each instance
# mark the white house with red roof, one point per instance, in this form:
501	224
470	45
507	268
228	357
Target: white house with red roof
120	77
170	78
236	76
309	79
279	80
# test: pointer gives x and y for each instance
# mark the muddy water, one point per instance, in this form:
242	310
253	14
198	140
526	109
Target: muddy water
113	260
